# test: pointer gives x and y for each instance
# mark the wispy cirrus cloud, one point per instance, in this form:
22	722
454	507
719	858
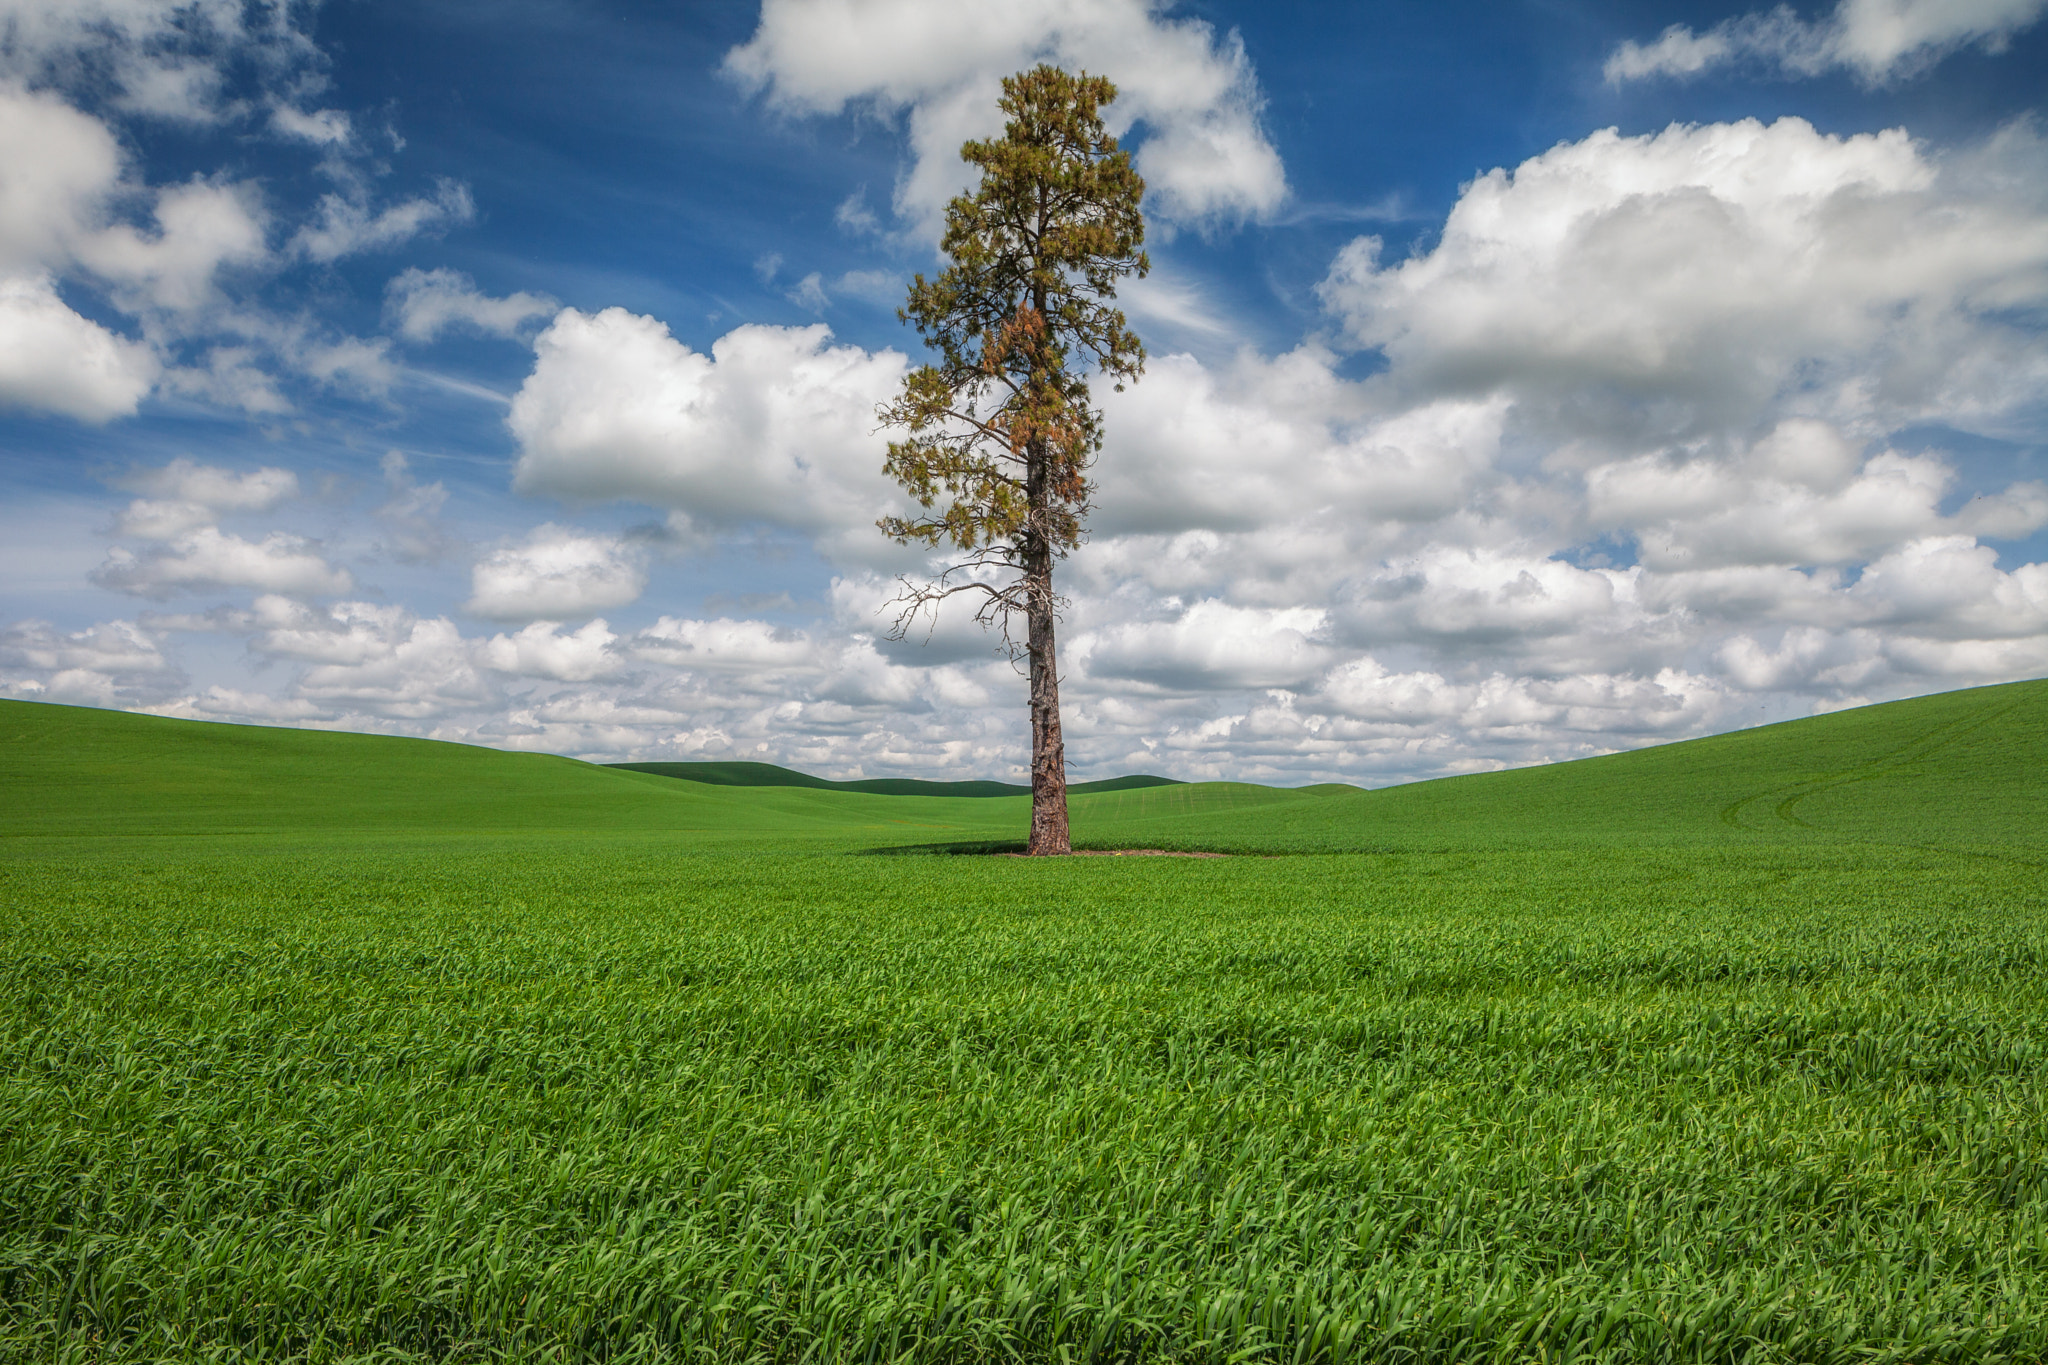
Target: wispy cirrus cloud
1876	40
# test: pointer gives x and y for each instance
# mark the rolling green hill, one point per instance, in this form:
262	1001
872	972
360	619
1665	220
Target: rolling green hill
1960	768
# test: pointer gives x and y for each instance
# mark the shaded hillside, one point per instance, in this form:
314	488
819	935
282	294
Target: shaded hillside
745	774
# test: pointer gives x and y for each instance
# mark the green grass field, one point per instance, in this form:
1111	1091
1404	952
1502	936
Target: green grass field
329	1047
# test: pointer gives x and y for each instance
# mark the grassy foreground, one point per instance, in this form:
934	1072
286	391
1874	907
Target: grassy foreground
1729	1051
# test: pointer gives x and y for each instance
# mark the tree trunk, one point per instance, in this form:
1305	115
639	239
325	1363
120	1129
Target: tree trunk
1048	750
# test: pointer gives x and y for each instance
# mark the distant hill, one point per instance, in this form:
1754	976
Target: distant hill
744	774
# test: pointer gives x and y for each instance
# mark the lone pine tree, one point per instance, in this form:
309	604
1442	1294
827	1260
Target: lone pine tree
1001	429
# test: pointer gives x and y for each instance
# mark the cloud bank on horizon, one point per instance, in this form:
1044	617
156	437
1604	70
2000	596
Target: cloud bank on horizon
1648	434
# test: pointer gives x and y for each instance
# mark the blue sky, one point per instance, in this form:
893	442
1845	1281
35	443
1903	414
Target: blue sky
1527	380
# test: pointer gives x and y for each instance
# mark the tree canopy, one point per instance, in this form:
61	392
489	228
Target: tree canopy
1002	429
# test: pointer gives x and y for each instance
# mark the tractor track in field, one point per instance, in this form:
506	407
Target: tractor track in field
1788	796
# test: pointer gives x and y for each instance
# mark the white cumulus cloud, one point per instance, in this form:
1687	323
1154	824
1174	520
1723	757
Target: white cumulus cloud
61	175
557	574
1803	495
544	650
1679	284
209	557
1211	645
57	167
114	663
411	669
214	486
54	360
726	645
200	228
184	495
774	426
1204	155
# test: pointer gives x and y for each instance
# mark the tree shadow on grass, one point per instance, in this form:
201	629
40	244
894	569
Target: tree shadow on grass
969	847
1015	848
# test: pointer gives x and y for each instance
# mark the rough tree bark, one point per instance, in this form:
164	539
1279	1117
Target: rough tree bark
1048	750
